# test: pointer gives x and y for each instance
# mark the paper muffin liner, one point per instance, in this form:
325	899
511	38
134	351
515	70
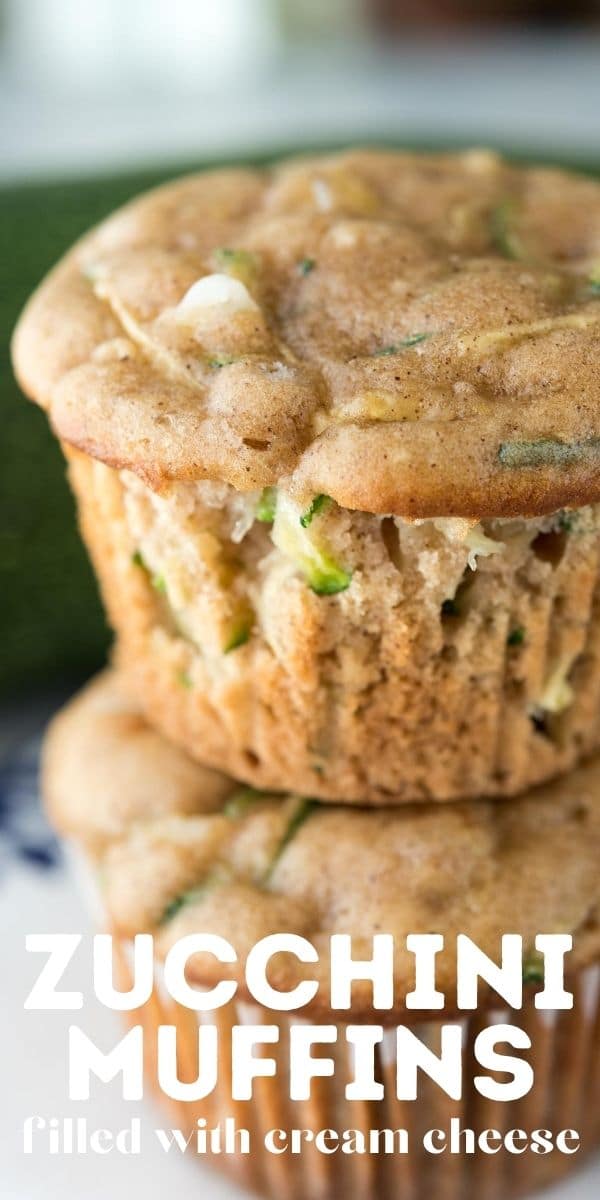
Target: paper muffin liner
565	1058
420	698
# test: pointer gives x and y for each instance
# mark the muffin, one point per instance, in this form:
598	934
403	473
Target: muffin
178	849
333	430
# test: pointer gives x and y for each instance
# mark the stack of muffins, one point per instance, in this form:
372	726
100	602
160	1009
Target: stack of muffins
334	433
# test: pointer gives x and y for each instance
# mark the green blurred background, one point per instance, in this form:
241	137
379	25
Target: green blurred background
51	623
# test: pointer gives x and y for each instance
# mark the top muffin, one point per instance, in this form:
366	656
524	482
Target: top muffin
333	429
410	335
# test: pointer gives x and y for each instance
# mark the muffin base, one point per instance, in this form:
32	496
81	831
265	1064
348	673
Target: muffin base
455	722
566	1095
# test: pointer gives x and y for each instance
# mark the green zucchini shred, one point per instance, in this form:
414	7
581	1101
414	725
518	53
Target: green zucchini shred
238	259
566	521
318	503
242	801
329	579
406	343
533	968
303	812
157	581
267	506
516	636
239	637
502	231
546	451
189	897
291	535
221	360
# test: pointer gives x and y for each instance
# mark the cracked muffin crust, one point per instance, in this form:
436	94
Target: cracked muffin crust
185	849
333	431
408	334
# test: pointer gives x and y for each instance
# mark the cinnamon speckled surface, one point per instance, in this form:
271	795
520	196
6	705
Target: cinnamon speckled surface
319	379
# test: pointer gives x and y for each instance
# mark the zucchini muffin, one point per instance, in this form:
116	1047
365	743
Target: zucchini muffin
334	432
177	848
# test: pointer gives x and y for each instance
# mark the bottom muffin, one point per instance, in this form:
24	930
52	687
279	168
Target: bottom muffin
178	849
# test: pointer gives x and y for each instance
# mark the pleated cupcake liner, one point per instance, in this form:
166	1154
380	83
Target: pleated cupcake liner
565	1058
492	698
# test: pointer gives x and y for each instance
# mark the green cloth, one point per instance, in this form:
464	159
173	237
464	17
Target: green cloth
51	623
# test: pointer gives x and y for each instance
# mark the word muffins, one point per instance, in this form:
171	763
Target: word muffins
333	431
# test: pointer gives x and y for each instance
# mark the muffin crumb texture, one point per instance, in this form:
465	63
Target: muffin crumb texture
358	657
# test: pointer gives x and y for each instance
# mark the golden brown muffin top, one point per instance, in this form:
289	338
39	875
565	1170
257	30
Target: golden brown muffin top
182	849
411	334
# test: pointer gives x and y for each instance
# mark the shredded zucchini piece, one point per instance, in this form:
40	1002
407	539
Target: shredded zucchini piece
301	814
503	231
533	968
307	551
516	637
221	360
241	264
595	282
267	506
547	452
241	803
191	896
240	634
315	507
406	343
